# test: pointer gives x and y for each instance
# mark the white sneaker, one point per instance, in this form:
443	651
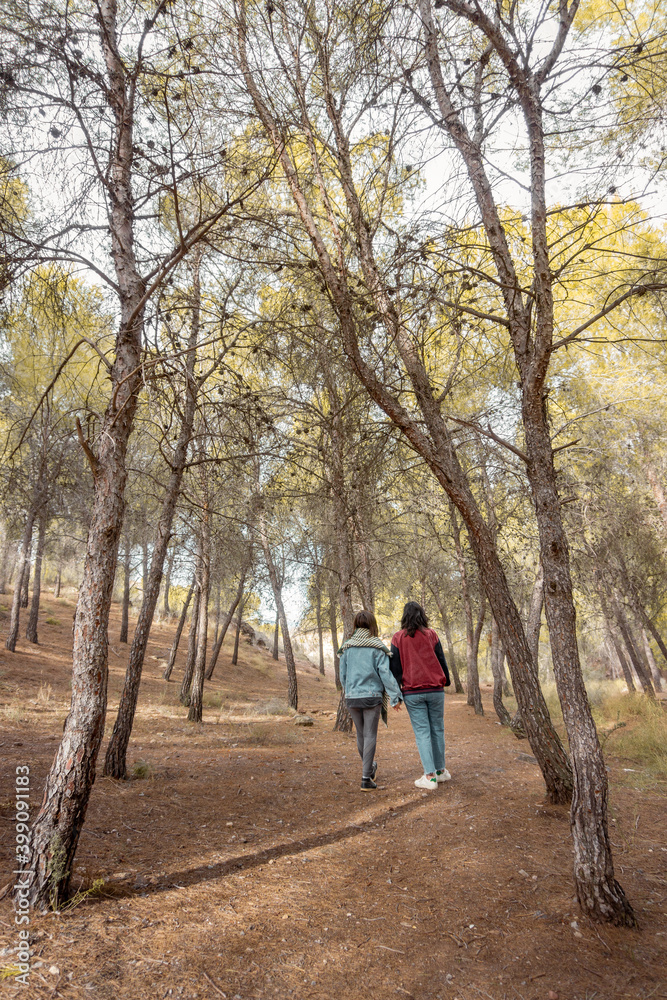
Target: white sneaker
443	775
425	782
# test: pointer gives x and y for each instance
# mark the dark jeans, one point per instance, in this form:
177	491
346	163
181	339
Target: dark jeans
366	723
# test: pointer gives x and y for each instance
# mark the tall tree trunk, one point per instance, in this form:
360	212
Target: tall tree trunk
444	618
4	557
237	636
276	637
625	666
474	693
22	560
197	691
57	828
225	625
534	623
333	628
25	579
179	632
496	653
125	607
318	617
115	762
650	659
292	689
186	683
31	630
167	580
218	609
59	576
633	652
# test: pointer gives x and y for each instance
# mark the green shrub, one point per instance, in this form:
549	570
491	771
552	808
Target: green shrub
142	769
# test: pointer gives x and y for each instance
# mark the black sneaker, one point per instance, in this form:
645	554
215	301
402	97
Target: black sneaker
374	769
367	785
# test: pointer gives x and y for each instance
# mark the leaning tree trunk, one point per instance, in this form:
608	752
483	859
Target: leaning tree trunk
429	437
22	559
225	625
31	629
125	607
197	690
115	762
179	632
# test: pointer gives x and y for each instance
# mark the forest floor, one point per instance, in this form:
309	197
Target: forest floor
246	863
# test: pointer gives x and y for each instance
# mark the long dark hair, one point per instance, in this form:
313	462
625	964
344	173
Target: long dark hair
414	617
366	619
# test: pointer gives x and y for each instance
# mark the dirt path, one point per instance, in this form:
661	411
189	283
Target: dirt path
249	865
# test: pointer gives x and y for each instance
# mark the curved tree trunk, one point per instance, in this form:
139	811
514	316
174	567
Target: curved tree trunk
179	632
31	629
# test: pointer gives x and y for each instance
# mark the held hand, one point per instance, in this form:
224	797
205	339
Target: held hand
398	707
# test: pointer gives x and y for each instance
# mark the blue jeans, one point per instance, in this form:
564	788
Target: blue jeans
427	715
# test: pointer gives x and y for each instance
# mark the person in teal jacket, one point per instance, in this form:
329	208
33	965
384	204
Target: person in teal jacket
365	676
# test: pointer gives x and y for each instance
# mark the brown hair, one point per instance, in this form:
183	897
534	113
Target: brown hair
366	619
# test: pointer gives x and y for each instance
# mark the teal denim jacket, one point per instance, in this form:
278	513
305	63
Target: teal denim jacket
365	673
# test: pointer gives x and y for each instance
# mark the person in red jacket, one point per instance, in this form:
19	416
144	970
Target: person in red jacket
418	664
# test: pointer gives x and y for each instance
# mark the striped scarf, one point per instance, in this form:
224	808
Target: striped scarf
362	637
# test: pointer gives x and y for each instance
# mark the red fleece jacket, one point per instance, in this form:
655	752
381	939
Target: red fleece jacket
420	661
